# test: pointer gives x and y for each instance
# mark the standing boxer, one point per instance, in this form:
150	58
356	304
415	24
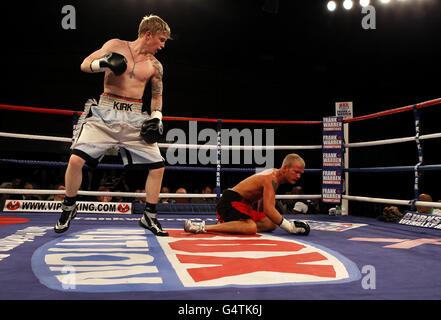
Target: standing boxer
117	119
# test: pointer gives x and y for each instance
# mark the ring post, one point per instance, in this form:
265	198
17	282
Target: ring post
218	158
332	153
419	146
345	110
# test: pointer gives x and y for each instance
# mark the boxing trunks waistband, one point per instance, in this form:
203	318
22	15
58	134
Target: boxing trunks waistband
233	207
231	195
115	102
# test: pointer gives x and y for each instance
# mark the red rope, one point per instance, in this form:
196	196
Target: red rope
242	121
39	110
272	121
168	118
396	110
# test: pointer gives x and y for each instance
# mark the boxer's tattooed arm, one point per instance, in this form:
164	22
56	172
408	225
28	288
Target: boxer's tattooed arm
274	185
157	86
157	78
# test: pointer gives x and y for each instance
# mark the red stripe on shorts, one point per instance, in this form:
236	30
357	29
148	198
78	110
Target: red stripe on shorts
246	209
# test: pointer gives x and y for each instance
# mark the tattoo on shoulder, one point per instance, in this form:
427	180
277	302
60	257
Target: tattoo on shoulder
157	78
158	67
156	87
274	185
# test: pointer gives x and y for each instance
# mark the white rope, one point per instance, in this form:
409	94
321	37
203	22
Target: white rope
137	194
213	195
34	137
393	201
298	196
214	147
168	145
105	193
391	141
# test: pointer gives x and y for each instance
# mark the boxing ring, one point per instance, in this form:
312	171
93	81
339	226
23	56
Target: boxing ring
106	256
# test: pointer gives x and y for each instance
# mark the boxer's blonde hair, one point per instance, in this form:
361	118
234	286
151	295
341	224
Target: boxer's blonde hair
292	158
153	24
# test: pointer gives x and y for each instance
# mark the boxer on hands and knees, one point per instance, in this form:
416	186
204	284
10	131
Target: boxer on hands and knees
235	213
117	119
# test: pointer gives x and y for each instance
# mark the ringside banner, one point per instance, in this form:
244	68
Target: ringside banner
55	206
332	183
421	220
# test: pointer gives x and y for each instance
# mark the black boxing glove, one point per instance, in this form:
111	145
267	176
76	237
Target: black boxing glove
152	129
116	62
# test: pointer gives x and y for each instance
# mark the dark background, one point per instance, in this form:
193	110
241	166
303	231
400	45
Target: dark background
242	59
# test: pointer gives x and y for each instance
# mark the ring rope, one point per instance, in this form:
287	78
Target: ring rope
34	137
432	167
392	141
213	195
354	119
214	147
139	195
394	111
167	118
40	110
417	139
393	201
223	147
169	145
121	166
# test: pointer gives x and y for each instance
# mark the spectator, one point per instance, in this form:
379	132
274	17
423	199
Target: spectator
390	214
165	189
4	196
208	190
295	206
424	197
16	183
205	190
104	198
118	198
393	214
30	186
138	204
57	197
181	200
141	199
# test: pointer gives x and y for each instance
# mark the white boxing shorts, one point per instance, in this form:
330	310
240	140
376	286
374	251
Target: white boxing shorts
114	121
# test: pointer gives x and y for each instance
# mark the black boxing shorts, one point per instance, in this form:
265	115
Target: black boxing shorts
232	207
